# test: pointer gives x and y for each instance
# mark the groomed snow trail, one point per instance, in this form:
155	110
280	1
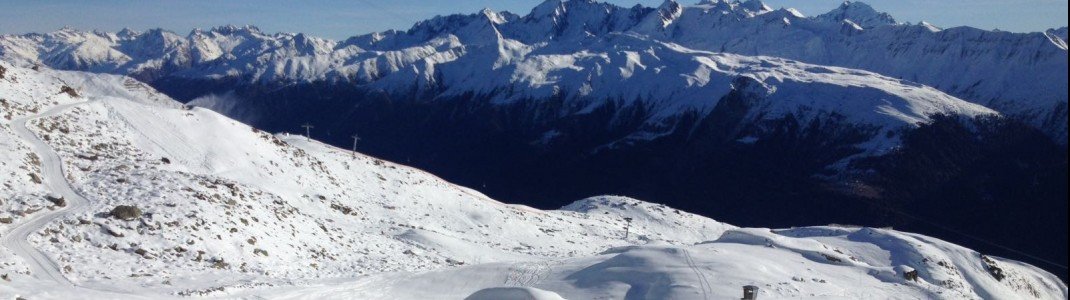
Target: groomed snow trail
704	284
41	266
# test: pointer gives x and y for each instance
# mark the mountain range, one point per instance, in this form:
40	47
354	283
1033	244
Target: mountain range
730	109
555	47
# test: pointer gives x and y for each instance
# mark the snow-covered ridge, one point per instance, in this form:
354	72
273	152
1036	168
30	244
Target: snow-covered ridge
224	200
581	41
230	211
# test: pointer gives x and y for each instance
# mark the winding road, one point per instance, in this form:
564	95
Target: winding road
41	266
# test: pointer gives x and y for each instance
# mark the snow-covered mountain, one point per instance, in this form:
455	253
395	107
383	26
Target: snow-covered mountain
722	108
560	46
221	199
226	210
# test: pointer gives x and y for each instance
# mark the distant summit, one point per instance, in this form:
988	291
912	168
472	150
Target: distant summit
859	13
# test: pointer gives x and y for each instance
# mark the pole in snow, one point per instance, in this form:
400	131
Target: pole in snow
308	131
627	227
356	138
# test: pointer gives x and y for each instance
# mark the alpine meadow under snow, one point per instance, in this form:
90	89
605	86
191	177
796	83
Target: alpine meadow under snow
113	189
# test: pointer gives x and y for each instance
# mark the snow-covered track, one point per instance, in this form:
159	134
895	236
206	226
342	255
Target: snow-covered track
41	266
704	284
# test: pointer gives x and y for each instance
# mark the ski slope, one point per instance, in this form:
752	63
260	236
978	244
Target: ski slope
798	263
233	212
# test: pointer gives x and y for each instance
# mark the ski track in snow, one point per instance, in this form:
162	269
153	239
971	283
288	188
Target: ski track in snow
526	274
704	284
41	265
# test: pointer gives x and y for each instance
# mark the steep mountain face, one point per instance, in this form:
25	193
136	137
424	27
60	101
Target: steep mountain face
144	198
725	108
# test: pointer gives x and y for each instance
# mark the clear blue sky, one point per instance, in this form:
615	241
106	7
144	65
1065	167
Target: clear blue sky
339	19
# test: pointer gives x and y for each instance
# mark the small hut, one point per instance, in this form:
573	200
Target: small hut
750	292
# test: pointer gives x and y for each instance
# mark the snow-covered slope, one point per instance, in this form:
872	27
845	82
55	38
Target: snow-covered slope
593	48
229	211
222	200
798	263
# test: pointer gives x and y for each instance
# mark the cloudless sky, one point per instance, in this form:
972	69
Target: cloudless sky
338	19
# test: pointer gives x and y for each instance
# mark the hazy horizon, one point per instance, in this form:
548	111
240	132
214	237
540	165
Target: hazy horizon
338	20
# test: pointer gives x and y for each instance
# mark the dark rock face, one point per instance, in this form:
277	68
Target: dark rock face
993	268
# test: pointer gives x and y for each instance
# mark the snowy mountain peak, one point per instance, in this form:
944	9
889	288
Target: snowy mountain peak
743	9
860	13
126	33
475	29
69	33
719	5
495	17
669	5
567	9
755	6
665	15
548	8
233	29
795	13
929	26
750	5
